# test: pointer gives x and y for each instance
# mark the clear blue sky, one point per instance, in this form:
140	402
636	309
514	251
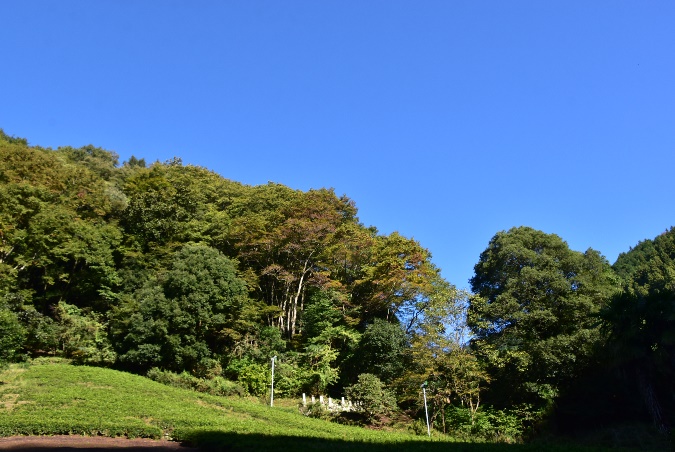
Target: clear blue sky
447	121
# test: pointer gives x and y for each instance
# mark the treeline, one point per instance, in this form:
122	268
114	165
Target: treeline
170	268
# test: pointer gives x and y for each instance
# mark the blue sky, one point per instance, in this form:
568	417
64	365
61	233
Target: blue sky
447	121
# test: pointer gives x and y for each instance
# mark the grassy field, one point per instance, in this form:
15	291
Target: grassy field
57	398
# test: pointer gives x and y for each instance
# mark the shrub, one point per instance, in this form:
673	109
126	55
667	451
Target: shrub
488	424
82	336
370	397
214	386
316	410
12	335
208	368
252	376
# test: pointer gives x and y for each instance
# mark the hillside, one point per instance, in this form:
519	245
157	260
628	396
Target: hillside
172	268
57	398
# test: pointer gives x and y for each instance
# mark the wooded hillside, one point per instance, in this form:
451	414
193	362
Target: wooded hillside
172	267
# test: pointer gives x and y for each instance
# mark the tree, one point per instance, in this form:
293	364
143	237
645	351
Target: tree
459	379
185	316
83	337
534	312
639	324
438	355
649	268
382	350
283	238
398	275
98	160
370	397
641	350
55	235
12	334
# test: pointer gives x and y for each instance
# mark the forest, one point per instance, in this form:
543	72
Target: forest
172	271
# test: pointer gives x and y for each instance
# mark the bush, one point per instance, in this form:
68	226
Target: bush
214	386
488	424
316	410
370	397
252	376
12	335
83	337
418	427
208	368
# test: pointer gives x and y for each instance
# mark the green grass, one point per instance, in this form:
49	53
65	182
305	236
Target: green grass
58	398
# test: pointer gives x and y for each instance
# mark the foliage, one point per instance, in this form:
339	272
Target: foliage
321	313
83	337
459	380
57	238
173	266
639	324
63	399
317	366
381	351
318	410
12	334
180	318
289	376
486	423
649	268
370	397
437	356
533	313
254	377
215	386
641	349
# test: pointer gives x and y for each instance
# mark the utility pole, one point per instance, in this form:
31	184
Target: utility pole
426	411
272	394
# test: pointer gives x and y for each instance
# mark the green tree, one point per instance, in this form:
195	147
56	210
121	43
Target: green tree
185	316
399	274
371	397
639	324
437	355
56	237
283	238
12	334
640	349
317	365
649	268
99	161
534	312
83	337
382	350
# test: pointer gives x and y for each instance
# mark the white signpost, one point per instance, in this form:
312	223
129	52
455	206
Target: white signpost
272	393
426	412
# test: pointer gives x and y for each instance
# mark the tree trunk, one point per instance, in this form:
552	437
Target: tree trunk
296	298
651	401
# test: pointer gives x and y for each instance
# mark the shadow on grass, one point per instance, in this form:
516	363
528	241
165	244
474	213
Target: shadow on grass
213	441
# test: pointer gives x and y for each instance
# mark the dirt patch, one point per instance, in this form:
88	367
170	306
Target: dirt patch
230	411
89	443
90	385
9	401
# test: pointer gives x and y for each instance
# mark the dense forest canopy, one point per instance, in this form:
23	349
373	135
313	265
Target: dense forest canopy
170	267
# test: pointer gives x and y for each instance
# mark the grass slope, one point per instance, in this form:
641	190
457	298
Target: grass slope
57	398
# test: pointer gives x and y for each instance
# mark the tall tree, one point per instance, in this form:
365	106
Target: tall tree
640	323
186	316
382	350
533	314
285	246
649	268
56	235
437	354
